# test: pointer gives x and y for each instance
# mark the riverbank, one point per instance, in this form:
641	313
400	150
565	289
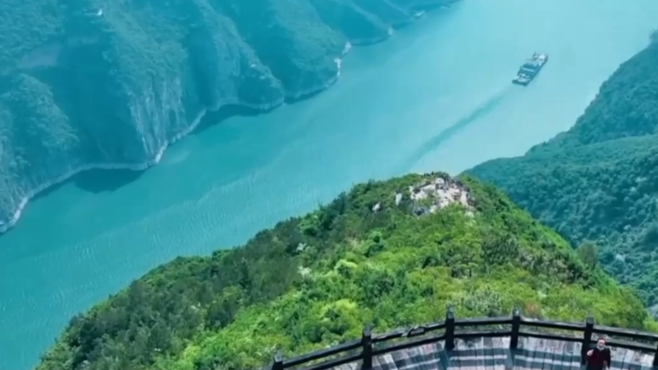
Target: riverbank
290	98
225	182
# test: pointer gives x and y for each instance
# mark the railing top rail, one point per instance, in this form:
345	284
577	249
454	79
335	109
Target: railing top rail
630	333
483	321
408	332
519	326
560	325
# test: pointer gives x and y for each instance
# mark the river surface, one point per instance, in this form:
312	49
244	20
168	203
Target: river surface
436	96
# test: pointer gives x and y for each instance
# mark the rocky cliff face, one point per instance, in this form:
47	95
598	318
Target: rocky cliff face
100	83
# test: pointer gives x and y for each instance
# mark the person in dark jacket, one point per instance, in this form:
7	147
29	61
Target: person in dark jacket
598	358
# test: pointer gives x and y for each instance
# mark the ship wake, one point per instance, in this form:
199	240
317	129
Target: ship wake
468	120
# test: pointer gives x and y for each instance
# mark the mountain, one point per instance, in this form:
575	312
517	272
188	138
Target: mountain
598	182
392	253
109	84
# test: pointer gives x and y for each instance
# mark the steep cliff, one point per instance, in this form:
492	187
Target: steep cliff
99	83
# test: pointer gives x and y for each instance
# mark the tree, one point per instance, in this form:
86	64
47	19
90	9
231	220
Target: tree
588	253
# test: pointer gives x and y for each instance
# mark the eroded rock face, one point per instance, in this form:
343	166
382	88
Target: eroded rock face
110	83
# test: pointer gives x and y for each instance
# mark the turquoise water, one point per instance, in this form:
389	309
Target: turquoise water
436	96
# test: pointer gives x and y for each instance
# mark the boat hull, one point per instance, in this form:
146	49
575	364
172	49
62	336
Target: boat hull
522	83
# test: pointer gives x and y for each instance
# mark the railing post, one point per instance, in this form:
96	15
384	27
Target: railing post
278	361
655	357
587	339
516	326
366	342
450	329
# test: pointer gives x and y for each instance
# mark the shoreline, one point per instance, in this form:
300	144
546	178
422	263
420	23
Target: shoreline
6	225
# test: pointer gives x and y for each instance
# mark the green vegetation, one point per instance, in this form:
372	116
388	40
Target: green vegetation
625	106
78	78
598	182
316	280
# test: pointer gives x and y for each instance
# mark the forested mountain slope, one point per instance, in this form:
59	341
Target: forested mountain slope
625	106
100	83
392	253
599	180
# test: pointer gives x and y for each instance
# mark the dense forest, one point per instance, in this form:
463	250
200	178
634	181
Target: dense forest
598	182
87	83
392	253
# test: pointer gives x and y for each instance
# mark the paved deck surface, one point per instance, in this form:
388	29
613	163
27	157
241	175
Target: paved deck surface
493	354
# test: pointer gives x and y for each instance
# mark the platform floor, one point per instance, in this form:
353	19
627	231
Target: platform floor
494	354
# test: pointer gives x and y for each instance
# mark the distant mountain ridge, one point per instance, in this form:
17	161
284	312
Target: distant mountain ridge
109	84
599	180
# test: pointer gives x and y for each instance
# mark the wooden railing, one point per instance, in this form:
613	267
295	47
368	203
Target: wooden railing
515	326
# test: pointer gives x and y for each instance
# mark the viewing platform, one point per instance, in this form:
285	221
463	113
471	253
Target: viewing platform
500	343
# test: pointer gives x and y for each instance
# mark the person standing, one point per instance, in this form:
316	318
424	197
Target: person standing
598	358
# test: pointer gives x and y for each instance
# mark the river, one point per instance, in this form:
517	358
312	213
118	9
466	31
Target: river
436	96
